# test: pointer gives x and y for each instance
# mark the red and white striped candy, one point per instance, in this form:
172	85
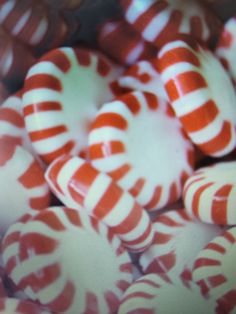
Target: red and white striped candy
77	181
226	47
204	100
139	142
22	182
33	23
152	294
121	42
143	76
12	305
210	193
72	263
159	21
12	122
62	93
177	241
214	271
12	52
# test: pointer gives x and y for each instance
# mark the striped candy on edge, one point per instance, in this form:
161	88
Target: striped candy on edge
210	194
214	271
152	294
159	21
74	178
203	100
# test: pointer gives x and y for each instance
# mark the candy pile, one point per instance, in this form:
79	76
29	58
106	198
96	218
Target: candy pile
117	160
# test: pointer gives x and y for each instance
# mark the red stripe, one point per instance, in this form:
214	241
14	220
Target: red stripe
184	84
38	243
122	285
108	201
197	197
32	177
110	120
65	149
132	102
149	282
91	303
112	301
140	239
119	172
73	216
152	101
173	193
83	57
200	118
54	172
126	268
227	235
104	149
155	198
10	239
81	182
103	67
40	202
220	141
64	300
51	220
41	107
162	264
216	247
204	262
11	116
168	221
42	81
138	295
137	187
177	55
59	59
130	222
47	133
219	208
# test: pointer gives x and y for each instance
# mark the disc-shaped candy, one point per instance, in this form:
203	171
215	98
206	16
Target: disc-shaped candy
122	43
139	142
204	100
210	194
21	176
226	47
12	121
143	76
61	95
73	180
15	306
177	241
158	21
152	294
72	263
214	271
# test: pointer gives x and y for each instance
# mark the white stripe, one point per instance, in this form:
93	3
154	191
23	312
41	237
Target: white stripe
6	9
136	9
111	163
156	25
45	67
178	68
173	45
191	101
21	23
104	134
39	33
120	211
43	120
40	95
96	191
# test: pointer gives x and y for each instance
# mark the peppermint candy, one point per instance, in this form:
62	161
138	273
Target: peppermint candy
203	100
210	194
138	141
62	93
48	273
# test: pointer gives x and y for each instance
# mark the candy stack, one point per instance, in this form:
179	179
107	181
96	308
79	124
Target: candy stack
117	157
